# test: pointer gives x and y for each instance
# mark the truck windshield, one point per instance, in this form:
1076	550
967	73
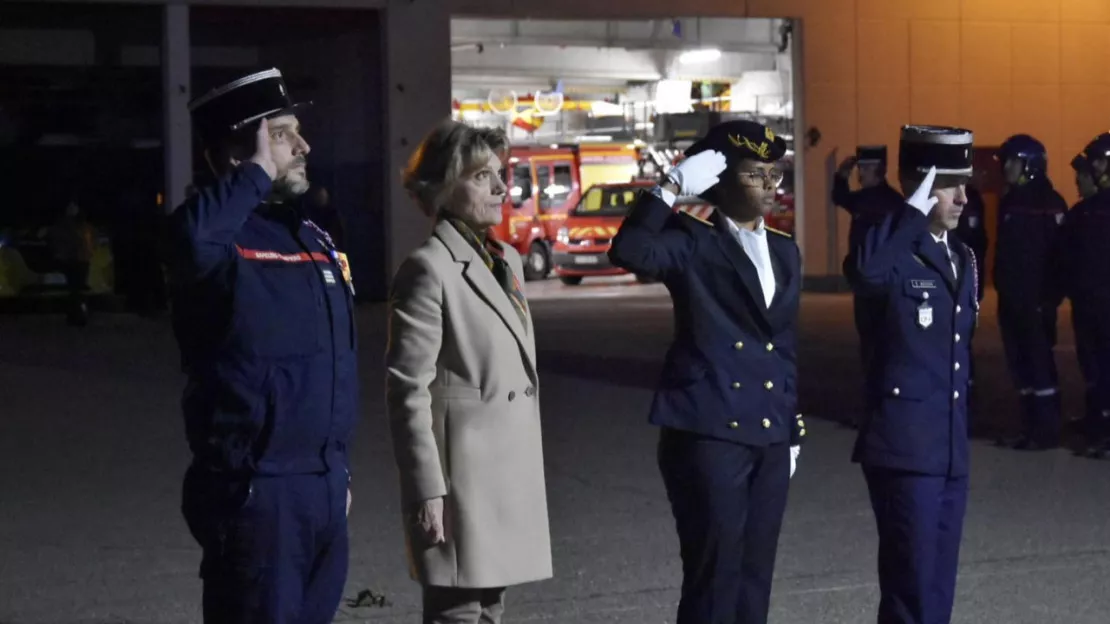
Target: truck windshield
612	201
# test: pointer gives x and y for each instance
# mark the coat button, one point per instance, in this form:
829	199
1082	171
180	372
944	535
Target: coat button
770	347
957	367
738	346
529	391
766	423
802	433
768	385
802	424
957	337
734	425
797	416
512	395
959	309
896	392
956	394
736	385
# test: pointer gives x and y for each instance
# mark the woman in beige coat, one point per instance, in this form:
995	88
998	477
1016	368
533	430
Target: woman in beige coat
462	391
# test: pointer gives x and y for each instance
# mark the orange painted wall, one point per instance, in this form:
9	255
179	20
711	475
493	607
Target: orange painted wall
998	67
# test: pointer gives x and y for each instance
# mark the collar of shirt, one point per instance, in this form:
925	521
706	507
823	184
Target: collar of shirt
940	238
760	228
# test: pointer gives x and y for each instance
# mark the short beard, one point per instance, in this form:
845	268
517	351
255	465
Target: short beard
286	188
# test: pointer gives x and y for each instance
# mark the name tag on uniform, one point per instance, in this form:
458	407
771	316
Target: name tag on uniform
923	284
329	277
924	315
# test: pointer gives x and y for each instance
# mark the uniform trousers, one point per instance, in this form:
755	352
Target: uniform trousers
920	520
275	548
1028	338
728	501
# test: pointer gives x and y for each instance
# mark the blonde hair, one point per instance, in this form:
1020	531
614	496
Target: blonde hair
451	150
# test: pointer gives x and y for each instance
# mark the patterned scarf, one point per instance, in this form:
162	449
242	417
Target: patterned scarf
494	257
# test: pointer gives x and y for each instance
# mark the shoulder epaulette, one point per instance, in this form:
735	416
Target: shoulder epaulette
779	232
701	212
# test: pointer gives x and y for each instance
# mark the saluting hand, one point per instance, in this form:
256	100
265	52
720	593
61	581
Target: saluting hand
922	198
263	156
698	173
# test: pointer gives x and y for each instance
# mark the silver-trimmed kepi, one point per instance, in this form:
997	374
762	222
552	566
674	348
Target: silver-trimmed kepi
230	107
946	148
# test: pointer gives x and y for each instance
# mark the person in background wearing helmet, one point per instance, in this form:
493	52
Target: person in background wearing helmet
263	317
913	445
729	437
1083	273
868	206
1029	218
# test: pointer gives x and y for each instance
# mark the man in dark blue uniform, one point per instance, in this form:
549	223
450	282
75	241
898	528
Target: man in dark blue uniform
867	207
1083	271
1029	217
263	316
725	404
972	231
914	444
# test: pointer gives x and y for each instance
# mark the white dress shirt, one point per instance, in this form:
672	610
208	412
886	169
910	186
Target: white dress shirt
943	239
754	243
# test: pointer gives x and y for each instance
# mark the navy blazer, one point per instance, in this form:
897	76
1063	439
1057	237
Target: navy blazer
731	371
916	417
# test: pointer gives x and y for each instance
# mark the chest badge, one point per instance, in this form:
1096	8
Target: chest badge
345	269
925	315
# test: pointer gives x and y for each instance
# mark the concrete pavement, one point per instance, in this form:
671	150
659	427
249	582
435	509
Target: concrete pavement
92	450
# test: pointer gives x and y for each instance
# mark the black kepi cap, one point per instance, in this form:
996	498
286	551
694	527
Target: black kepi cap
946	148
871	154
231	107
741	140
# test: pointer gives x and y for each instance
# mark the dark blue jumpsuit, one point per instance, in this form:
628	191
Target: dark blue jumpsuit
1083	271
263	317
913	446
1029	219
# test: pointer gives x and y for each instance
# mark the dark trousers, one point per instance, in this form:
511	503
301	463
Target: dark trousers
275	548
920	520
1092	347
728	501
459	605
1029	338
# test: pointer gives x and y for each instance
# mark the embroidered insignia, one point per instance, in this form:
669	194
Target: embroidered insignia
925	315
779	232
701	212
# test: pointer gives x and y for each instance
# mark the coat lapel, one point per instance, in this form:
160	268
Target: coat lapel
481	279
785	273
732	250
927	249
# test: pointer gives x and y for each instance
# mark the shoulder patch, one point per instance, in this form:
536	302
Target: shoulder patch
700	212
779	232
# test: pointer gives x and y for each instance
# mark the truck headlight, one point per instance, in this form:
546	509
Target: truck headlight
563	236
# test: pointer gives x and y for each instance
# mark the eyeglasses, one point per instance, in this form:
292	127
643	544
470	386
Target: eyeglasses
763	178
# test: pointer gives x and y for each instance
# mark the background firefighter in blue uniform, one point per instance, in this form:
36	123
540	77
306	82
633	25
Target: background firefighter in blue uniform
263	317
1029	217
868	206
913	446
1083	273
725	405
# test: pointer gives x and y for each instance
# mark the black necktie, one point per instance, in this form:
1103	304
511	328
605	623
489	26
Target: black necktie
951	258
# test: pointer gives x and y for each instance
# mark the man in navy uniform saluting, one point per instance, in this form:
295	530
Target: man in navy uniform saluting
263	317
726	402
913	444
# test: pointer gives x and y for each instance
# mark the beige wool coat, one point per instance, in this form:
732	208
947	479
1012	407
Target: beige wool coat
464	412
